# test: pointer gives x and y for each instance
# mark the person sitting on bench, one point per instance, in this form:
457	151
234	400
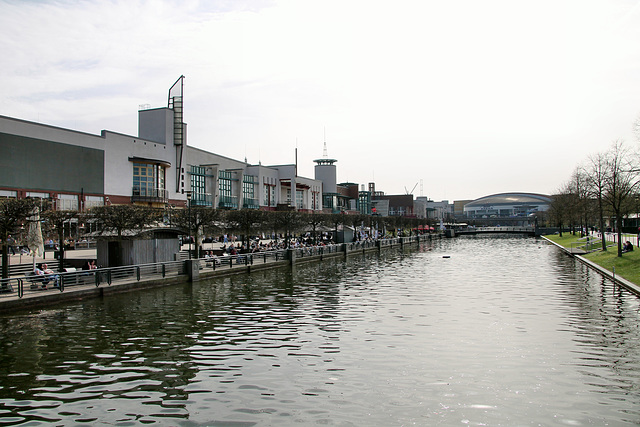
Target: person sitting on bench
39	271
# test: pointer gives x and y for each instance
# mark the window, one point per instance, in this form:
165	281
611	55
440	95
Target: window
149	180
92	201
67	202
248	192
299	199
225	186
198	186
269	195
35	195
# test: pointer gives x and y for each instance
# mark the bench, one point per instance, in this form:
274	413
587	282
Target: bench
38	281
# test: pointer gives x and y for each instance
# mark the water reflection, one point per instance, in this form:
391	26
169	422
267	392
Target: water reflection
503	331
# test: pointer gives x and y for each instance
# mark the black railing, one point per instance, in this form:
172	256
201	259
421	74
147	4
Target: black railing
143	194
31	284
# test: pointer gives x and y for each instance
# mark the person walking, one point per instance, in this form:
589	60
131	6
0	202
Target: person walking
11	244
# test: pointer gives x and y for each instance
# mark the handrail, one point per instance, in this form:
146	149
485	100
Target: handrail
62	281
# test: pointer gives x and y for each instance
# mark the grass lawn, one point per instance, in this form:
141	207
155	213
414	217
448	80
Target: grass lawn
627	266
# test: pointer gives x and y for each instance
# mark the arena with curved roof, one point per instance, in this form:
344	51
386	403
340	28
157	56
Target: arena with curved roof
507	205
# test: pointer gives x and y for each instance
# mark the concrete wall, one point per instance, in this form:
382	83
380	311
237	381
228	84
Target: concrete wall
328	175
156	125
35	164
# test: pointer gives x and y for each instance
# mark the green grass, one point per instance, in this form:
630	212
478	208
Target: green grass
627	266
566	240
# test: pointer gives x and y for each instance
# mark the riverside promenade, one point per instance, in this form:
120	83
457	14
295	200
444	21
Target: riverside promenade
26	293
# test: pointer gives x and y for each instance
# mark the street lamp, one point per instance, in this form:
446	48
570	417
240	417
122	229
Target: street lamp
189	237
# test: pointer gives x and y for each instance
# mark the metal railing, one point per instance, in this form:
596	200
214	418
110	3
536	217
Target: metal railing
354	246
594	241
146	194
308	251
228	261
31	284
228	202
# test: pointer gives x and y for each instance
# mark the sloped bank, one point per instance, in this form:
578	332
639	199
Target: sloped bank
632	287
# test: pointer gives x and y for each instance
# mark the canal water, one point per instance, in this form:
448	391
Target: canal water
466	331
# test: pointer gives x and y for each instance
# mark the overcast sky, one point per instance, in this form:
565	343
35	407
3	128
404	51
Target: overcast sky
459	99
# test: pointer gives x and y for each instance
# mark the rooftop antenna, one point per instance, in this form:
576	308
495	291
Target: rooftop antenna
324	150
296	170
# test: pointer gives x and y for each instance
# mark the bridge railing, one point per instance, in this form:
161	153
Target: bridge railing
509	229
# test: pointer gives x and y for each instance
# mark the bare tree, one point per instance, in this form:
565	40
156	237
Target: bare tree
561	207
621	182
201	217
120	222
286	221
14	213
582	202
315	220
246	222
54	221
596	174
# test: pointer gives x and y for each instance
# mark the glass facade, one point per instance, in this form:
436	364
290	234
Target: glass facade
149	182
249	200
299	199
225	186
198	186
364	202
269	195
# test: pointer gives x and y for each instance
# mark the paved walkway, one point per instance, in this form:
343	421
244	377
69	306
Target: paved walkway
18	259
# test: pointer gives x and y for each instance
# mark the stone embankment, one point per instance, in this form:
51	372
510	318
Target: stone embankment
25	293
609	274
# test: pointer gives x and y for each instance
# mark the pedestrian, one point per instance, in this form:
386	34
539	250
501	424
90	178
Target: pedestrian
10	244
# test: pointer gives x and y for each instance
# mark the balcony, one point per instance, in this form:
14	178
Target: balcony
145	194
201	199
250	203
228	202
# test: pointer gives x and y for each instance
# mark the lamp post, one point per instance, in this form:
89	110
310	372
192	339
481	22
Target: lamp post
189	237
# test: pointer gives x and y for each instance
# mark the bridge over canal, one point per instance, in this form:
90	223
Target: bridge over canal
530	231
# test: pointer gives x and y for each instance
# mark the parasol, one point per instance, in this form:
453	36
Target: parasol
34	236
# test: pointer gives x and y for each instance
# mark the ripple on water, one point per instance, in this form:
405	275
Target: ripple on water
490	335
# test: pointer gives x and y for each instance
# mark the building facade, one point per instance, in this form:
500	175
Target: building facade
77	170
507	205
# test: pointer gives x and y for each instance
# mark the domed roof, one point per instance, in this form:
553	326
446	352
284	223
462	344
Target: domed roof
510	199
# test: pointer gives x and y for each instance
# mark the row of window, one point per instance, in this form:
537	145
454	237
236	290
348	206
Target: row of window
62	202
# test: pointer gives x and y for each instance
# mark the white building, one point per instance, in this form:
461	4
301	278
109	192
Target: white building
77	170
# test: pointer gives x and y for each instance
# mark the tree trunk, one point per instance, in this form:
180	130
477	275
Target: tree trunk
61	251
5	260
619	231
604	240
